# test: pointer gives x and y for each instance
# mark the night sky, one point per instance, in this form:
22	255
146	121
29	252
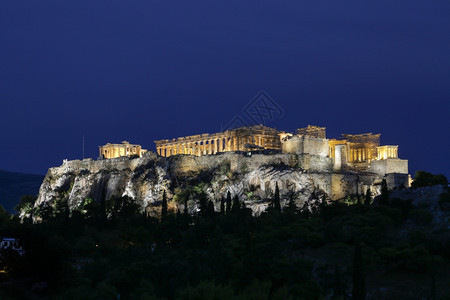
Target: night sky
147	70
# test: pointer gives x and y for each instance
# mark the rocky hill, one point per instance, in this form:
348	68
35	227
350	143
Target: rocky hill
252	179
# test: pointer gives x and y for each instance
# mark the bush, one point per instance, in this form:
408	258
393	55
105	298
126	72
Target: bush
423	179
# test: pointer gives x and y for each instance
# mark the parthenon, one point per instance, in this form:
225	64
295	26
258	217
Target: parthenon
241	139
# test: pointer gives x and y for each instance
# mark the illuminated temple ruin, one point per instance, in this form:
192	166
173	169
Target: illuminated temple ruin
357	152
257	137
349	153
353	148
118	150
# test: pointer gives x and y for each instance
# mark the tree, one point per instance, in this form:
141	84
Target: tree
359	281
276	199
423	179
203	203
26	204
292	207
222	206
210	209
185	211
121	207
236	205
384	196
164	206
368	198
228	209
358	198
4	215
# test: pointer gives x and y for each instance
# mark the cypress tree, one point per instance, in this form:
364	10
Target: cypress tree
228	202
291	207
222	206
368	197
203	205
359	281
185	211
210	210
384	196
164	206
236	205
358	198
276	199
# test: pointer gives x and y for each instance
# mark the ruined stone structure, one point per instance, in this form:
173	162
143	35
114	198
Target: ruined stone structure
303	163
256	137
360	153
118	150
312	131
351	152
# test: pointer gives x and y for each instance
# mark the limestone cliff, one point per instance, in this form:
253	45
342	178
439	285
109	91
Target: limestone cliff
253	179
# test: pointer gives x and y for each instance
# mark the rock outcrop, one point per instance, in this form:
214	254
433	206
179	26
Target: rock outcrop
252	179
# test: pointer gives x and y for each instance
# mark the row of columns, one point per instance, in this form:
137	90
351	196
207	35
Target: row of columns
208	146
113	152
387	152
360	154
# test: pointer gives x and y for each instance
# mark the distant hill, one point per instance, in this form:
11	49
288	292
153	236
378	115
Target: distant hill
13	185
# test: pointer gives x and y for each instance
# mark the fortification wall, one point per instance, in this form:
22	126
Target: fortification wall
305	145
390	165
315	146
351	184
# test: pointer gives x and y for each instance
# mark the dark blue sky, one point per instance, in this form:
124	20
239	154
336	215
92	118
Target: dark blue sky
147	70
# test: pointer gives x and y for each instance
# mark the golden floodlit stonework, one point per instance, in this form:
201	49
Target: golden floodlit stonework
257	137
354	153
118	150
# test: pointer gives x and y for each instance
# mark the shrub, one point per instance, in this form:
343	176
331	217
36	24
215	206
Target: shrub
423	179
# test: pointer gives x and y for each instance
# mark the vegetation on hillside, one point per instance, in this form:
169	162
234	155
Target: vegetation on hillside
389	249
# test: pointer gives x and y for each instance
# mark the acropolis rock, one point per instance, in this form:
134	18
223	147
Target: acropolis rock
304	165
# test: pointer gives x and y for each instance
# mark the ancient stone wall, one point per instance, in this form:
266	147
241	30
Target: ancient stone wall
397	181
305	145
312	131
390	165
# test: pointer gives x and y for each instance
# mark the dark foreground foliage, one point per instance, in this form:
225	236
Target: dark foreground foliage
369	250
